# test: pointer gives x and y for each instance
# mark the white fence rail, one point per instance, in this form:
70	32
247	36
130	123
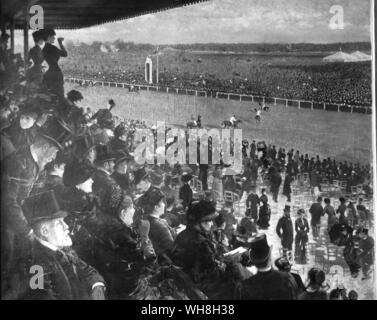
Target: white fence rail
300	104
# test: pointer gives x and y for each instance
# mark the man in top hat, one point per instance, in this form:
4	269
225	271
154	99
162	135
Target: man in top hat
185	192
267	284
284	230
62	275
21	171
366	257
252	203
104	186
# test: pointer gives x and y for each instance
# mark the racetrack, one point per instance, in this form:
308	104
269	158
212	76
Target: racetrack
341	136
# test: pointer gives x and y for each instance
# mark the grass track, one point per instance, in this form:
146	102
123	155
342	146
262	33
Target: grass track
341	136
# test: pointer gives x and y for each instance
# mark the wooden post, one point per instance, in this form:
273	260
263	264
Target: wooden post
217	95
324	106
252	98
299	104
312	107
275	101
286	103
12	36
26	35
240	97
338	107
264	99
228	96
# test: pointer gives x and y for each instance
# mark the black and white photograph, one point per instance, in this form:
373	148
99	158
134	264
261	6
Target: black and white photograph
197	150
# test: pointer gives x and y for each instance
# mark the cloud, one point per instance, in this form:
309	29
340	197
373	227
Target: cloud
238	21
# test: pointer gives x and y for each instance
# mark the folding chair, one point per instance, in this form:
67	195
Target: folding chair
236	200
228	196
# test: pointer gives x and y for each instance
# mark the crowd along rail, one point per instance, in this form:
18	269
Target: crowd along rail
300	104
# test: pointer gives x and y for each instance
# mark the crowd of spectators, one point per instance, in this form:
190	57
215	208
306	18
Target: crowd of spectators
76	202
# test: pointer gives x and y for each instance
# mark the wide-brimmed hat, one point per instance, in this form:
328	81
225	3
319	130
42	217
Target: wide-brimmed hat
57	131
201	211
259	249
103	154
42	206
139	175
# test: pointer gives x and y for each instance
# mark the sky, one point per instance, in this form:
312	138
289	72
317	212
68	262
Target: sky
238	21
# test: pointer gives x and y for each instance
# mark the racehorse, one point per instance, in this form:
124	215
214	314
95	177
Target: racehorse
227	124
191	124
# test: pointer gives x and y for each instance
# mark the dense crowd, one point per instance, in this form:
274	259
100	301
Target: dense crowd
78	204
347	84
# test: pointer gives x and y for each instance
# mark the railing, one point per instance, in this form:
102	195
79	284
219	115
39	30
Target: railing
300	104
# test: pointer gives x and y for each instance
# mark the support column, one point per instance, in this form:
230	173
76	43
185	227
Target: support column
228	96
12	36
26	39
286	103
312	105
275	101
324	106
299	104
338	108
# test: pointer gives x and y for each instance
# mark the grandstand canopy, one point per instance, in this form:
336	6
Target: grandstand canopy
73	14
339	56
360	56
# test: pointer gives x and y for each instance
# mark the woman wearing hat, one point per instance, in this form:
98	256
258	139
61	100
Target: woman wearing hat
35	73
160	233
302	230
264	213
53	79
195	249
185	192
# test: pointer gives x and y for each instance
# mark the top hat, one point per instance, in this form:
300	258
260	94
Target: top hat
122	156
200	211
186	177
42	206
259	249
103	154
139	175
56	131
287	208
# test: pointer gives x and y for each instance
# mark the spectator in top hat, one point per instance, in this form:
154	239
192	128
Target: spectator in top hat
314	290
267	284
275	184
284	265
104	186
64	275
21	172
252	203
341	211
160	233
53	79
302	230
284	230
35	73
185	192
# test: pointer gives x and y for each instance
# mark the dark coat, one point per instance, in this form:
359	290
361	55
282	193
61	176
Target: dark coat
35	73
185	194
270	285
284	230
287	185
161	235
107	190
317	212
367	250
252	202
302	229
122	180
195	251
117	145
53	79
275	182
264	216
65	277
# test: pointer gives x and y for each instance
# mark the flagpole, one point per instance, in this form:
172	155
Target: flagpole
157	66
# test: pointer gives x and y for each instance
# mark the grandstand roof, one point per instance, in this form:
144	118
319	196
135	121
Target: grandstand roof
361	56
74	14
